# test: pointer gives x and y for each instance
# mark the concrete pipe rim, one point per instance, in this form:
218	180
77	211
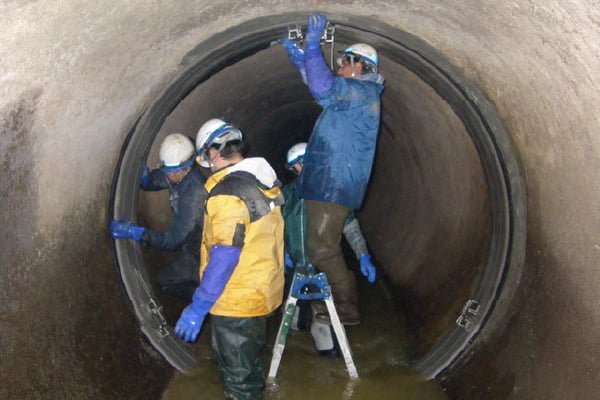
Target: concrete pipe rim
484	310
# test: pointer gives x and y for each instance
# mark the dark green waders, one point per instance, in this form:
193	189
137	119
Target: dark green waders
238	343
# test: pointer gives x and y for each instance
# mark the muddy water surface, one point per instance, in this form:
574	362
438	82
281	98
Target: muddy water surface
380	349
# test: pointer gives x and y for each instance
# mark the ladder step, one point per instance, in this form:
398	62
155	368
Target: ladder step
303	277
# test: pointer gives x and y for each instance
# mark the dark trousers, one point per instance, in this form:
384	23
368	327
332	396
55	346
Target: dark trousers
182	276
238	343
324	227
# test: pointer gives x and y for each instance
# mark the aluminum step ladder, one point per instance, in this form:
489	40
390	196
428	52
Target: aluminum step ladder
303	287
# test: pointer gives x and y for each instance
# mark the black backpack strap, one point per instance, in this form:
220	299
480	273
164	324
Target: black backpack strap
245	186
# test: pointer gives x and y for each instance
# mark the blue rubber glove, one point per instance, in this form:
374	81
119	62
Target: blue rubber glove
125	229
145	175
367	268
318	75
296	56
295	53
314	32
222	262
189	324
288	260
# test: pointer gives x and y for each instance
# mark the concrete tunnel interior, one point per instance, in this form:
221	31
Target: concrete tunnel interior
450	221
445	215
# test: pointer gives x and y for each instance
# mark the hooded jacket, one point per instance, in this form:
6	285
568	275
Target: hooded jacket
243	210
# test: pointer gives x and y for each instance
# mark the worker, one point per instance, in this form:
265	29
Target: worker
294	214
185	184
339	155
241	271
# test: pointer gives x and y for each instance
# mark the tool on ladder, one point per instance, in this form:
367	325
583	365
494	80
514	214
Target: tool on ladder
306	285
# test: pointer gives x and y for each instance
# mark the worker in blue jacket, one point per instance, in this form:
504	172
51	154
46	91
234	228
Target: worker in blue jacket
187	195
339	155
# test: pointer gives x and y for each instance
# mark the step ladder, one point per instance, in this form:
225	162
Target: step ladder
303	287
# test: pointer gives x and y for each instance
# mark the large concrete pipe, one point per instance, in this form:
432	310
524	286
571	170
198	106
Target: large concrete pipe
484	103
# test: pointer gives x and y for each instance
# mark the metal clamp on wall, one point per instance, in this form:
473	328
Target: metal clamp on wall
468	314
295	33
159	321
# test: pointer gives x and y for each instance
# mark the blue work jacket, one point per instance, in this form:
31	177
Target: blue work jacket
340	151
187	200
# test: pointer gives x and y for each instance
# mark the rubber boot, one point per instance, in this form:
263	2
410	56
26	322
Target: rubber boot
324	338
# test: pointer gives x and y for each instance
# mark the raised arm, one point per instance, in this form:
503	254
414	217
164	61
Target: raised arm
319	76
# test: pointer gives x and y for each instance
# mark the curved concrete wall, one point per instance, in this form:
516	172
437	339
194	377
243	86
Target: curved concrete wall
76	76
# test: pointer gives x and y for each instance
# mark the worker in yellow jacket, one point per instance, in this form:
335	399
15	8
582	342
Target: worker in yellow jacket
241	271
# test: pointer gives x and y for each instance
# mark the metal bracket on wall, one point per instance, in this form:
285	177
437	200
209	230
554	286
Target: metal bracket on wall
329	34
468	314
295	33
158	318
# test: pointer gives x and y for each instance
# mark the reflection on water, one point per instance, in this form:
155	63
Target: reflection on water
380	351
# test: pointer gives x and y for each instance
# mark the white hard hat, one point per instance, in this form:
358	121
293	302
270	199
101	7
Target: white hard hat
176	153
212	132
364	53
295	154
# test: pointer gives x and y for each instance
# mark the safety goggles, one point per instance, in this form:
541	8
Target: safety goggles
297	160
347	58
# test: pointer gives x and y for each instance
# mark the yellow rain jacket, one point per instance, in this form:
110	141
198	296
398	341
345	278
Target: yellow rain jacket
244	210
